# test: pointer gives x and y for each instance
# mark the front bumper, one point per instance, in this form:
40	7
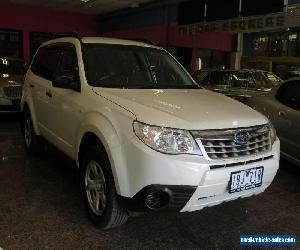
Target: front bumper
209	180
214	188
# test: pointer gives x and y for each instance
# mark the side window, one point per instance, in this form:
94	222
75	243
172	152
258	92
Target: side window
45	62
69	63
289	94
66	75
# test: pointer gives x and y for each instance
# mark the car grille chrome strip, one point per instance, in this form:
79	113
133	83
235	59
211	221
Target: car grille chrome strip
12	91
222	144
241	163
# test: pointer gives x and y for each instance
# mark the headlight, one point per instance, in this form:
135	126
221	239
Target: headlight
273	133
166	140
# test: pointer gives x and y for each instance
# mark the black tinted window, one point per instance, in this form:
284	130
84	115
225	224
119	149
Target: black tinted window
68	62
289	94
119	66
45	62
67	70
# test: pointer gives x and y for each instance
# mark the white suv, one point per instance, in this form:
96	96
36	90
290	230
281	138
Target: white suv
144	135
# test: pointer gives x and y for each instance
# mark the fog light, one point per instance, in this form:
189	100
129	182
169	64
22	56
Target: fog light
153	200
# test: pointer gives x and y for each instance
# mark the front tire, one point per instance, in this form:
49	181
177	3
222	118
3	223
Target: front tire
99	191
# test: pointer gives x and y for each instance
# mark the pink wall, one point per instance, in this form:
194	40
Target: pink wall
29	18
216	41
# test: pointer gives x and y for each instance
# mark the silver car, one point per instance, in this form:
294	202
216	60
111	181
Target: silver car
238	84
11	83
282	107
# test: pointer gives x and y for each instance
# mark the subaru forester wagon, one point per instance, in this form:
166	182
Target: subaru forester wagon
144	135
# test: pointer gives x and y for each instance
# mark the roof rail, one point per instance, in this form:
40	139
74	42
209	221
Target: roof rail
74	34
143	40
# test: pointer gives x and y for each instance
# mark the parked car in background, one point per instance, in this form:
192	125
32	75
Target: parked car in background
238	84
292	74
282	107
12	73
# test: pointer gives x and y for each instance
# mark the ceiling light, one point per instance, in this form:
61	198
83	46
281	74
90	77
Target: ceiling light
84	1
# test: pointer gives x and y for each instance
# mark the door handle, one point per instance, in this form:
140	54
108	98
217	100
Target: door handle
49	94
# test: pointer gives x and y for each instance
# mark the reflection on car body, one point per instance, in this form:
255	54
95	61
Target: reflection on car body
239	84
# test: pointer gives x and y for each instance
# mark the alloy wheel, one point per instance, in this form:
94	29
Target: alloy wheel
95	187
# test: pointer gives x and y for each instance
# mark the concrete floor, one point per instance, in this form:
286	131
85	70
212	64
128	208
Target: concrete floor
40	208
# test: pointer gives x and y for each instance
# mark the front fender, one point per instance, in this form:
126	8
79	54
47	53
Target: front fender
112	141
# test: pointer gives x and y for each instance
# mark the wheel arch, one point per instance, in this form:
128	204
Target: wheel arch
108	141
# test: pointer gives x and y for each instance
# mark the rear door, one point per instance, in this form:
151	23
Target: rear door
287	118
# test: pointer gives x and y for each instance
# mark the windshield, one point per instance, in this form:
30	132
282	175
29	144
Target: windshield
12	67
123	66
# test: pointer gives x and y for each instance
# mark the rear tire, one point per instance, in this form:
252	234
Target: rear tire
98	189
32	142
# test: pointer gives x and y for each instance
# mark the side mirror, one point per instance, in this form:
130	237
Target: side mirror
66	81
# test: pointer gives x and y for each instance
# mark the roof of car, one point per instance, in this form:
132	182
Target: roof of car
103	40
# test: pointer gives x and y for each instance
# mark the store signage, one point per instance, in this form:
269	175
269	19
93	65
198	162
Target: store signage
251	24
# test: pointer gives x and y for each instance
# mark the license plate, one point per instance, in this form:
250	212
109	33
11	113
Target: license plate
246	179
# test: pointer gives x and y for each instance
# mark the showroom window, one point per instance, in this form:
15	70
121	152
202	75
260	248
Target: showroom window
11	43
36	39
277	44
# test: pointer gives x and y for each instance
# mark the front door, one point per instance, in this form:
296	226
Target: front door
65	104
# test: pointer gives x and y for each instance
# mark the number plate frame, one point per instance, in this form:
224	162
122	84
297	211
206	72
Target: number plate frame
244	188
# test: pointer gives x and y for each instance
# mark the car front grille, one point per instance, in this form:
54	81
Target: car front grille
222	144
13	91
